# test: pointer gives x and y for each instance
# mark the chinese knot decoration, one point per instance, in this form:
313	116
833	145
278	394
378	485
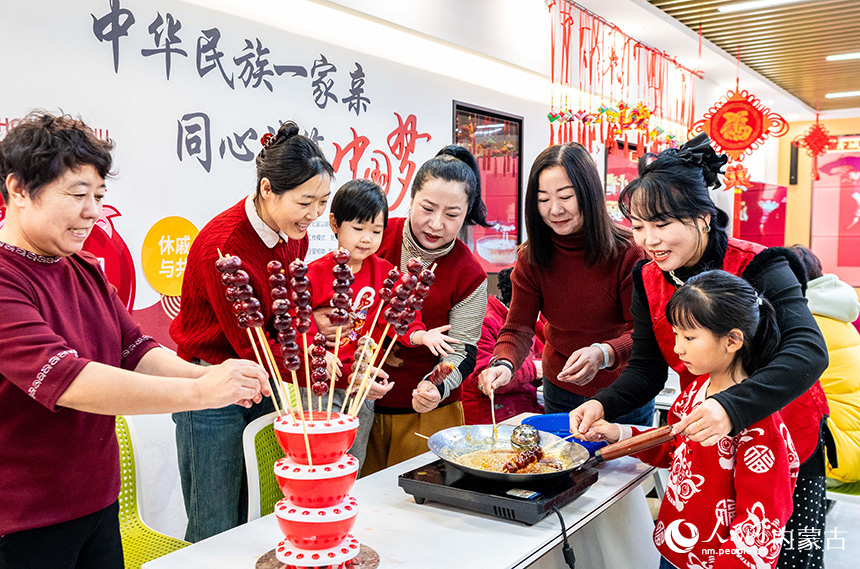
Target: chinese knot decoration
737	177
739	123
817	140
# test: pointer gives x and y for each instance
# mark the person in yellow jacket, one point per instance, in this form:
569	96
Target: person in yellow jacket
835	305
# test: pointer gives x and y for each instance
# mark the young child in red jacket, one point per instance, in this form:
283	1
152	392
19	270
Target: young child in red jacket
359	214
725	505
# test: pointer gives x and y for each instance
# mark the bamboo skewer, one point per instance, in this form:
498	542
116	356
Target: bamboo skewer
353	410
375	374
558	442
493	415
260	361
268	350
333	372
361	356
308	377
302	417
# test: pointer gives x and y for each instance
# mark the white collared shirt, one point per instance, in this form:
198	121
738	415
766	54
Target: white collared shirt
267	235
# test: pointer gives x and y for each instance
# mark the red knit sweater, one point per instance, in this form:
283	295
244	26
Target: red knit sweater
735	496
582	305
206	327
365	303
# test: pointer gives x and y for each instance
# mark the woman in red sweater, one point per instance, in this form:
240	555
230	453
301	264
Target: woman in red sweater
293	187
575	270
72	358
445	196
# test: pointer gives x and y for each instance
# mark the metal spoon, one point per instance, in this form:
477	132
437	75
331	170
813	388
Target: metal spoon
525	436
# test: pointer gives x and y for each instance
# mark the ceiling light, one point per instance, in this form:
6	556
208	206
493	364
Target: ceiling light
842	95
754	5
843	56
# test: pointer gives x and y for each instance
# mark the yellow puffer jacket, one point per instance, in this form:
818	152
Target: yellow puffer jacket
841	383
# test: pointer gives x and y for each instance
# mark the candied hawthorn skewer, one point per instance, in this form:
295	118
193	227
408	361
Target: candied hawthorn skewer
523	459
301	297
245	307
342	302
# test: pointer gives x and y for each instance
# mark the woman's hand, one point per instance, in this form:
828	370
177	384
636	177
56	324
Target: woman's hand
606	431
706	425
584	416
379	388
241	382
582	366
435	340
425	397
493	378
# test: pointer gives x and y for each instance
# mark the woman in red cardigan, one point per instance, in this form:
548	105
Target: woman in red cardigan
575	270
446	195
293	187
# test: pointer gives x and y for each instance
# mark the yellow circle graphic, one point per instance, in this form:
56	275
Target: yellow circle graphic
165	253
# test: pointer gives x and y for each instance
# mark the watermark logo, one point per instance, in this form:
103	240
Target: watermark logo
675	537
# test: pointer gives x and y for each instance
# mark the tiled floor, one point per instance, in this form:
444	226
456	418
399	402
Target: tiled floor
842	546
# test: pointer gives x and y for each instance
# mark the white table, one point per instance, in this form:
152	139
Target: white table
610	526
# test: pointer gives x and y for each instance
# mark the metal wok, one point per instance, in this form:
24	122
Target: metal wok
450	444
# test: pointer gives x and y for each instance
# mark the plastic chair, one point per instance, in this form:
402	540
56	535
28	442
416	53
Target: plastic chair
140	543
849	492
261	451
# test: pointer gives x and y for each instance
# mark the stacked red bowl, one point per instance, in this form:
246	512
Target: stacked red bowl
317	512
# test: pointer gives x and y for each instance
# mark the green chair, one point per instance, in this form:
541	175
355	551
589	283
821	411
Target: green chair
261	452
140	543
849	492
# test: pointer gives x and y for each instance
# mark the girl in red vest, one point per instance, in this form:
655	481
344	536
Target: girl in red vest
680	228
446	195
714	513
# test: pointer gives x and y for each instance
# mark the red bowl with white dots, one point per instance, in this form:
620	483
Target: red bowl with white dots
318	486
329	439
316	528
337	557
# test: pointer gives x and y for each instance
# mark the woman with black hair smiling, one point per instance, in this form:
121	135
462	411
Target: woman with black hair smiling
293	187
575	270
676	222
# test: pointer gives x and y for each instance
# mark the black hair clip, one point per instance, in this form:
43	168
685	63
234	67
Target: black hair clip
698	153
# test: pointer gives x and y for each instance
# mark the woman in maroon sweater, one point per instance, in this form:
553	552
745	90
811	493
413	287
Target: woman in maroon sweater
575	269
293	187
71	356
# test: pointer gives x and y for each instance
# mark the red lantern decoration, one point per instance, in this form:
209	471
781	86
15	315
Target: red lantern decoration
739	123
817	140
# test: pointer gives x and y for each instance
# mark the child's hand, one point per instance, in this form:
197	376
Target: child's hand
435	340
609	432
324	325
